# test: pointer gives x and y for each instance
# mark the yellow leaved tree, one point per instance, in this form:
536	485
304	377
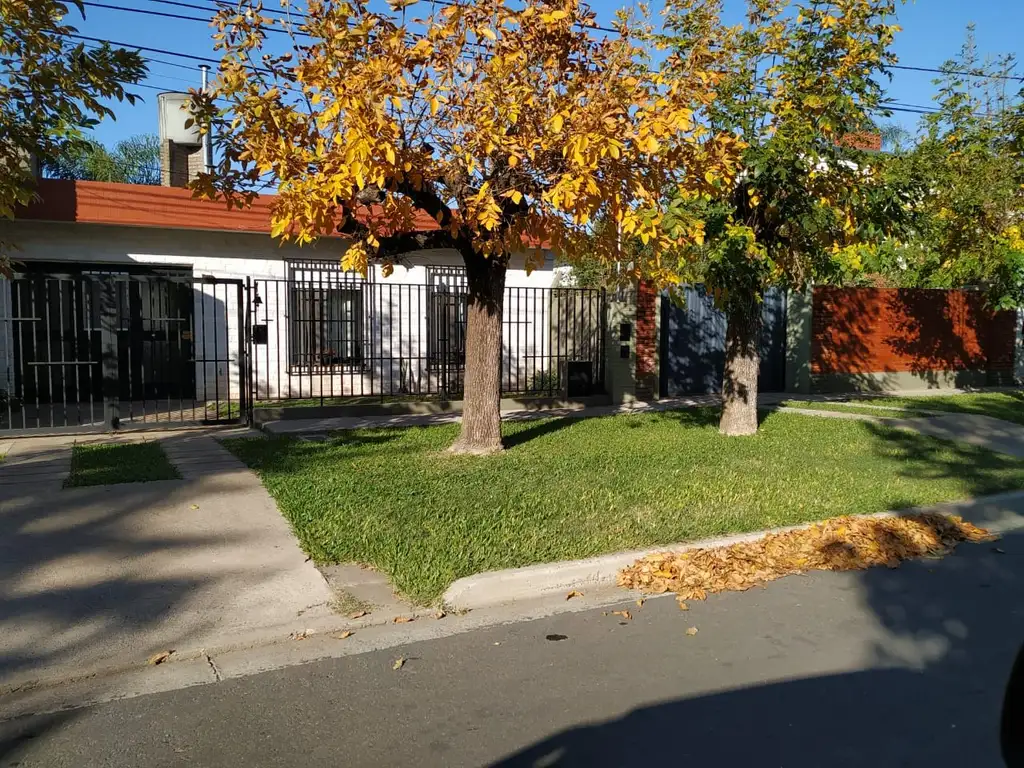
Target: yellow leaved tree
518	129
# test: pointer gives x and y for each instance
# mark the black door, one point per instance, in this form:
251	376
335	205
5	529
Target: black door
155	338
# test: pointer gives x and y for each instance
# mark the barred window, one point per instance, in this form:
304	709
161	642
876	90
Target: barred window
325	318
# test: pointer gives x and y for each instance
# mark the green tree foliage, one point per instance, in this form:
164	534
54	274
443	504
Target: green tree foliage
51	90
800	79
135	160
966	177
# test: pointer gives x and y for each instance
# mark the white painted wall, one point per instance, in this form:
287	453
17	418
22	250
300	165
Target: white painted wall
396	308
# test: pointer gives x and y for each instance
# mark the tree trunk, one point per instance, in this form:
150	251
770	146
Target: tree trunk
742	363
481	399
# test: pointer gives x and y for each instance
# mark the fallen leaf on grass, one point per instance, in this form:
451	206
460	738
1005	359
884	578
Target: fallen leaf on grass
159	658
574	593
357	615
691	631
399	663
344	635
403	619
841	544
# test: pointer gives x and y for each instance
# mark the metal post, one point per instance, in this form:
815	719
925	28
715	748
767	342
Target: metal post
207	143
108	353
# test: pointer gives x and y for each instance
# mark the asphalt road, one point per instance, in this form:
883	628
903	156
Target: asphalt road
898	667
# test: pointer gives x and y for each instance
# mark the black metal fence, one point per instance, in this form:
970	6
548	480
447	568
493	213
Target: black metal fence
91	350
330	339
97	350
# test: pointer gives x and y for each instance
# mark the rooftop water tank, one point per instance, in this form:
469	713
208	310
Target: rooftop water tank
173	115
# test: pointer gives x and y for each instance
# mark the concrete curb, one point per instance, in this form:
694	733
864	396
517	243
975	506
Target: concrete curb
495	588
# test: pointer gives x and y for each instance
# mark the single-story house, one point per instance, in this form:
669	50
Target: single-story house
204	313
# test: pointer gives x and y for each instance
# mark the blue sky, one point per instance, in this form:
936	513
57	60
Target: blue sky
933	31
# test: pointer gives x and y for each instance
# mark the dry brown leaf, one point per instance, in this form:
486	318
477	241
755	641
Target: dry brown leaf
344	635
195	506
357	615
841	544
574	593
440	615
403	619
624	614
683	606
691	631
399	663
159	658
640	603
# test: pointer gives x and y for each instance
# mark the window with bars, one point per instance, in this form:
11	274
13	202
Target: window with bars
325	317
447	306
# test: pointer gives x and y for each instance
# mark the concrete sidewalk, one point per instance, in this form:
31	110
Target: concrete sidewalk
102	577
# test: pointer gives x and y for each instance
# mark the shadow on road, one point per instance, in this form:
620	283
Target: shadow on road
931	693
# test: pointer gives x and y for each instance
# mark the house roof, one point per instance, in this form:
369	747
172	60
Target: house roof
136	205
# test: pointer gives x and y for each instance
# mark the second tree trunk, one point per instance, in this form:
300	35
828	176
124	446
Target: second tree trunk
742	365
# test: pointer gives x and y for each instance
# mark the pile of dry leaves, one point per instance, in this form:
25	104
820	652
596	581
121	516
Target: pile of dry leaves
841	544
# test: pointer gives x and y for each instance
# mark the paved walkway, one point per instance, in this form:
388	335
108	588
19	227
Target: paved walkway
768	399
105	576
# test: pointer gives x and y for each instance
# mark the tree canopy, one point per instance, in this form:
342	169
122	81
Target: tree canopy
798	81
135	160
51	90
517	128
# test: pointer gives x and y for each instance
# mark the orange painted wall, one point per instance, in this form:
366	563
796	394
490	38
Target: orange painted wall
871	330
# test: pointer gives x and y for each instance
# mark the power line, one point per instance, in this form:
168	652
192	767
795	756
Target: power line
450	3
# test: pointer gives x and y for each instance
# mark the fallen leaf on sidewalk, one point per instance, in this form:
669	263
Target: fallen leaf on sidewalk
302	635
691	631
574	593
403	619
841	544
440	615
682	605
640	602
624	614
159	658
357	615
399	663
344	635
195	506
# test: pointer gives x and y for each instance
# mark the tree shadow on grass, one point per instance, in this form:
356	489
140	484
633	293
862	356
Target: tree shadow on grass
536	430
929	693
921	456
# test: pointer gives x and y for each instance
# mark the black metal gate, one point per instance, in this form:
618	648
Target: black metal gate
120	347
693	344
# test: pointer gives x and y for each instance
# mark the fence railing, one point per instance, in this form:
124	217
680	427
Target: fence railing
84	351
334	341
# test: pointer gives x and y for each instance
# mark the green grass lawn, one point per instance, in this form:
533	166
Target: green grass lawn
570	488
107	464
